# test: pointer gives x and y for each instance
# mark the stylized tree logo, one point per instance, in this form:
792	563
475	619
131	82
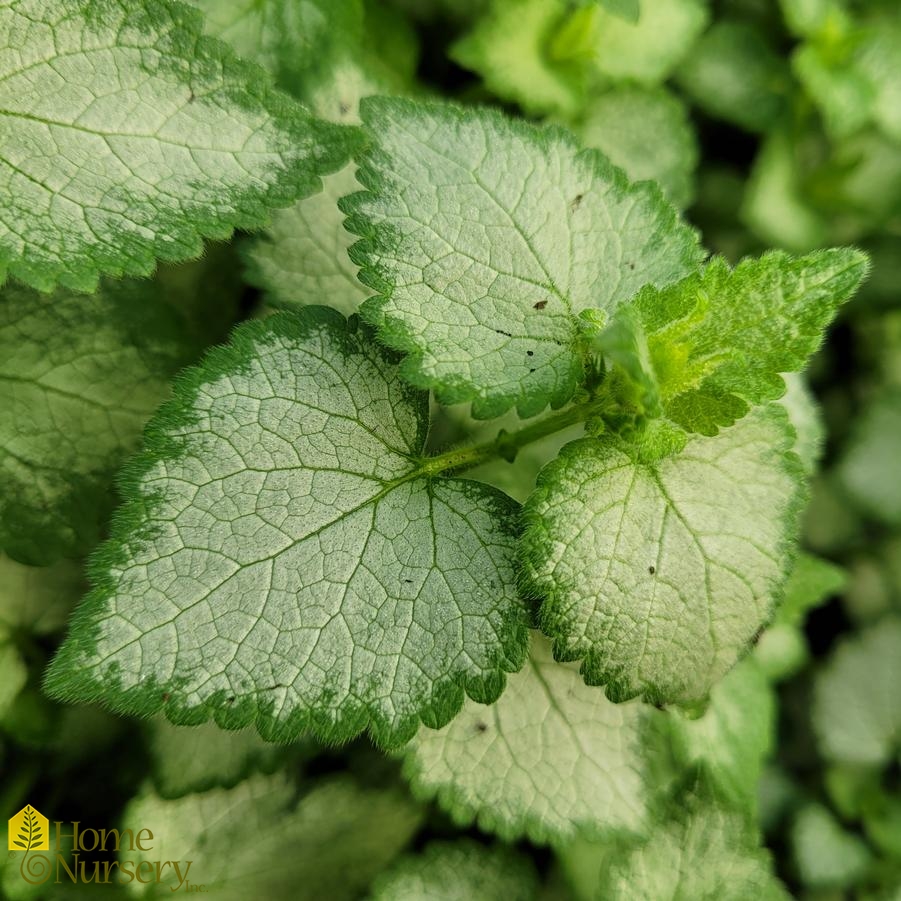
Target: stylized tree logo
30	835
29	830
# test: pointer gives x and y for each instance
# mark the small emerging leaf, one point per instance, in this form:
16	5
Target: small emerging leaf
717	342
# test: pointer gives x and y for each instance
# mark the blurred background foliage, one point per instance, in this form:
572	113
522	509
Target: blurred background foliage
771	124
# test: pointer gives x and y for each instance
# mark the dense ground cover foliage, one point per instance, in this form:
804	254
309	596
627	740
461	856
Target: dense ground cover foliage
448	448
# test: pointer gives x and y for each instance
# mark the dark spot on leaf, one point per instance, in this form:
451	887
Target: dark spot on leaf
408	581
652	570
530	353
631	266
531	370
344	108
540	305
481	727
231	700
166	696
500	331
577	200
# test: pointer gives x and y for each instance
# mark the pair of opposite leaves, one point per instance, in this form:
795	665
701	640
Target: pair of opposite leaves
285	556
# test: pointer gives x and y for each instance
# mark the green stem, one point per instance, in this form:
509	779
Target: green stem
508	444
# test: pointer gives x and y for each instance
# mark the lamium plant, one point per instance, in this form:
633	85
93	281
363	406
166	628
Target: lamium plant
506	474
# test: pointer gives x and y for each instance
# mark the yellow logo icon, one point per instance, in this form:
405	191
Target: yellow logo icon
29	830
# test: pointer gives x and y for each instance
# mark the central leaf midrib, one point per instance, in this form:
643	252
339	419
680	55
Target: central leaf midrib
387	488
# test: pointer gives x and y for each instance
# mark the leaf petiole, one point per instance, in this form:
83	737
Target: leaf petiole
507	444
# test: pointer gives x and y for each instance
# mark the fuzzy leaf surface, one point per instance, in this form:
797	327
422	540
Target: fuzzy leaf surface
284	558
718	341
658	574
127	137
486	238
551	759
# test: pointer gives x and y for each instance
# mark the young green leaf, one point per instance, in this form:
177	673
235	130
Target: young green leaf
805	18
630	10
486	238
550	760
647	133
782	648
80	376
706	852
851	73
286	556
657	574
775	206
856	714
812	581
258	841
717	342
458	871
127	138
